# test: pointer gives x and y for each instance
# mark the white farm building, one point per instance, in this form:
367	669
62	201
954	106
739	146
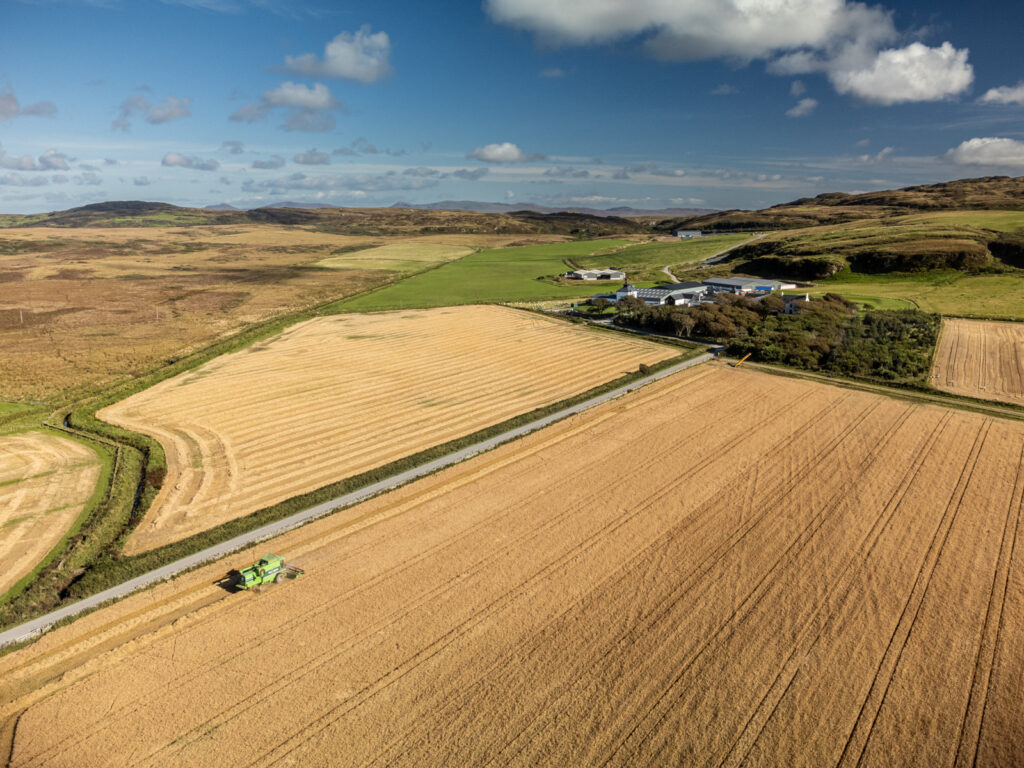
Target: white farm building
678	294
744	285
596	274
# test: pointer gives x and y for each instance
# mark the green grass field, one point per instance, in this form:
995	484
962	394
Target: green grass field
497	274
1000	221
946	292
406	258
643	262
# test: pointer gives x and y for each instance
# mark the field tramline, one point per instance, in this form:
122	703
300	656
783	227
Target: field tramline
981	359
830	577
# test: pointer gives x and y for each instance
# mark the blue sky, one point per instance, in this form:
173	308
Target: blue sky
649	103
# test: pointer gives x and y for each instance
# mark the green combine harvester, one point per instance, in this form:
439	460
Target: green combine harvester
269	568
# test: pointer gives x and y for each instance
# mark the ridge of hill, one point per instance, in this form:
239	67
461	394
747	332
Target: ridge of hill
624	211
983	193
349	221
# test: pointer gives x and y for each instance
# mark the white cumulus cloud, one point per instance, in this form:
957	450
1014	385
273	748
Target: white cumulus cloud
1006	94
913	73
697	29
803	108
363	56
505	152
175	159
273	162
843	39
10	107
307	107
290	94
313	157
989	151
171	108
884	154
50	160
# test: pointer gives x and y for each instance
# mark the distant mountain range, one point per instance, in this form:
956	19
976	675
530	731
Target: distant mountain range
621	211
481	207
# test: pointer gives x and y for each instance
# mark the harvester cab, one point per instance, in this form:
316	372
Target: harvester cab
268	568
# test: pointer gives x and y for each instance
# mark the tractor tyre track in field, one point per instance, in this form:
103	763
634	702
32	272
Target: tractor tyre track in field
726	568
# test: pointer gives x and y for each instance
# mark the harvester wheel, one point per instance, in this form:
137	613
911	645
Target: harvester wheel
279	578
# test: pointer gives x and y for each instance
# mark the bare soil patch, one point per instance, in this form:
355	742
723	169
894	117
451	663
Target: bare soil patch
725	568
45	482
337	396
981	359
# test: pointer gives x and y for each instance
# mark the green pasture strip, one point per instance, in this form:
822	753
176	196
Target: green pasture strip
999	221
644	262
984	296
489	276
101	494
101	566
17	417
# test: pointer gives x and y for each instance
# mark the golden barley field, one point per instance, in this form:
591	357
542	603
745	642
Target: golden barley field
45	482
336	396
981	358
725	568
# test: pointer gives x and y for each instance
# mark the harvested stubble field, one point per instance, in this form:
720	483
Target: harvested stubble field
824	577
981	359
334	397
45	482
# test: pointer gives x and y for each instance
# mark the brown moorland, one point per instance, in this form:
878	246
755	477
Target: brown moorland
979	358
337	396
45	482
81	308
803	575
986	192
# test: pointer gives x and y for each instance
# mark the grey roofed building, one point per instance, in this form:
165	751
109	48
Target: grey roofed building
596	274
746	284
627	289
676	293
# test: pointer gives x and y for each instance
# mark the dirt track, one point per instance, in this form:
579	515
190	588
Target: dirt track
337	396
981	359
45	481
803	575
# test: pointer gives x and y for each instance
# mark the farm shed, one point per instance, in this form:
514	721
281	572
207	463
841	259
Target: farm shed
687	234
596	274
627	289
677	294
743	285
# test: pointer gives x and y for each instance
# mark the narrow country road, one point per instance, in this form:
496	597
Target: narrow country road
717	257
37	626
713	258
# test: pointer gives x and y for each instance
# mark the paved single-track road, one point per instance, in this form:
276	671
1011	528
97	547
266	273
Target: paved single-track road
37	626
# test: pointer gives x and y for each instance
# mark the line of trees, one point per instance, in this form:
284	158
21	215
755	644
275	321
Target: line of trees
826	334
